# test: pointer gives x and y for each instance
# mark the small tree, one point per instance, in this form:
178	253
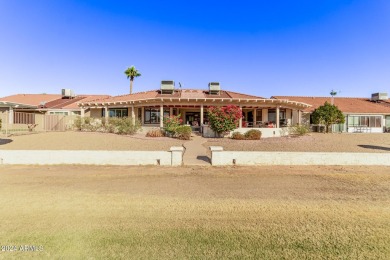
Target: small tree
328	115
224	119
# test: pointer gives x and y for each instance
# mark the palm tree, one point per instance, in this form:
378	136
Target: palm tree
131	73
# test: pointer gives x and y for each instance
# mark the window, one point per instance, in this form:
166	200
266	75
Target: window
370	121
116	112
58	113
152	115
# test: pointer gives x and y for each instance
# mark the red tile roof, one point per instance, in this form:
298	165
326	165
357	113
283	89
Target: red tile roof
50	101
30	99
185	93
345	104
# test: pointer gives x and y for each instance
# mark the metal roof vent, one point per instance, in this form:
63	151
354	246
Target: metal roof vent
167	86
379	97
67	93
214	88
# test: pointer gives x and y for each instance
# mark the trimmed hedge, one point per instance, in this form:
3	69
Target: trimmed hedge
252	134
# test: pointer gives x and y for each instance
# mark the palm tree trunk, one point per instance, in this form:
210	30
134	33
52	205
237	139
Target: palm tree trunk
131	86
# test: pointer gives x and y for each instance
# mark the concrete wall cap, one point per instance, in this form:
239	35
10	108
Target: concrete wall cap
216	148
177	148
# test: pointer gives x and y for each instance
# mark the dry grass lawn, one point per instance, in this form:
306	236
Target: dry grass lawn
83	212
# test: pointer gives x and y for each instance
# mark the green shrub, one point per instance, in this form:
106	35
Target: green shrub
123	126
253	134
183	132
238	136
300	130
171	123
155	133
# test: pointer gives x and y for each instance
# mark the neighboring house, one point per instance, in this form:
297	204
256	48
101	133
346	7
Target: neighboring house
150	106
370	115
22	108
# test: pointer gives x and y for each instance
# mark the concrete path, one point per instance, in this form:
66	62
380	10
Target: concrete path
196	153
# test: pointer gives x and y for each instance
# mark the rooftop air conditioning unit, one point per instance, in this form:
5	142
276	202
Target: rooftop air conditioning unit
167	86
379	96
214	88
67	93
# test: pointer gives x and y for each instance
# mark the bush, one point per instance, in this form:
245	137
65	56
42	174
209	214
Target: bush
123	126
155	133
183	132
171	123
224	119
300	130
253	134
238	136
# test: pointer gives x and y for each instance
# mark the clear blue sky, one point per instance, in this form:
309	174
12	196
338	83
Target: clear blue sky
258	47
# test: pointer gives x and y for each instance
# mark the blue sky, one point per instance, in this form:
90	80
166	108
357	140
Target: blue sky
259	47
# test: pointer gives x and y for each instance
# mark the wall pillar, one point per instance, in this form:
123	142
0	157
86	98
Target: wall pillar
171	111
142	115
277	117
161	116
201	115
82	112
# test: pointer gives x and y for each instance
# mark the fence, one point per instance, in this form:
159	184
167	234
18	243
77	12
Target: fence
24	122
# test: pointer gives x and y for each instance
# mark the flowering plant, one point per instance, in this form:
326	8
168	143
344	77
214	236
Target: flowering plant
171	123
224	119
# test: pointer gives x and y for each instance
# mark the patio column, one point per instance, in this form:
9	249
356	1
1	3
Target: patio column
11	116
171	111
201	115
142	115
240	122
299	117
161	116
254	117
106	115
264	114
132	115
277	117
82	112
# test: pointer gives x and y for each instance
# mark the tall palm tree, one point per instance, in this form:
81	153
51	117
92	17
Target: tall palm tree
131	73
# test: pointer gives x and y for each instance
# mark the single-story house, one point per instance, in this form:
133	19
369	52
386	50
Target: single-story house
150	106
371	115
24	108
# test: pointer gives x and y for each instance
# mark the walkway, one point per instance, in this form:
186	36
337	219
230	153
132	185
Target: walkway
196	153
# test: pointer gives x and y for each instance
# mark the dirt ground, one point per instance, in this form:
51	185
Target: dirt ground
107	212
315	142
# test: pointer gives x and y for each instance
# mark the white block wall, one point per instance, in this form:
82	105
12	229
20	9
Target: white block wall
47	157
220	157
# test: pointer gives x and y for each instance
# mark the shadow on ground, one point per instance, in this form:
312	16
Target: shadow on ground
375	147
204	158
5	141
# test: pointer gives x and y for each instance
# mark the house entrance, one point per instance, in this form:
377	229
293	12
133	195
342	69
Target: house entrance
193	119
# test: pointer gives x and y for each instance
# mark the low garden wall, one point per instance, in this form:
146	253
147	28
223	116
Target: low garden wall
174	157
221	158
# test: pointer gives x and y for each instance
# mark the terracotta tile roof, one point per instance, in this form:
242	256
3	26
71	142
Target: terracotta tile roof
185	93
30	99
345	104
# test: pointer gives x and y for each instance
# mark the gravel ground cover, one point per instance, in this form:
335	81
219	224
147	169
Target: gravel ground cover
87	141
314	142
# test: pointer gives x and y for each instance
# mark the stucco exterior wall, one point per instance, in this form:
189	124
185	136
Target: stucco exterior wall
221	158
50	157
95	112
